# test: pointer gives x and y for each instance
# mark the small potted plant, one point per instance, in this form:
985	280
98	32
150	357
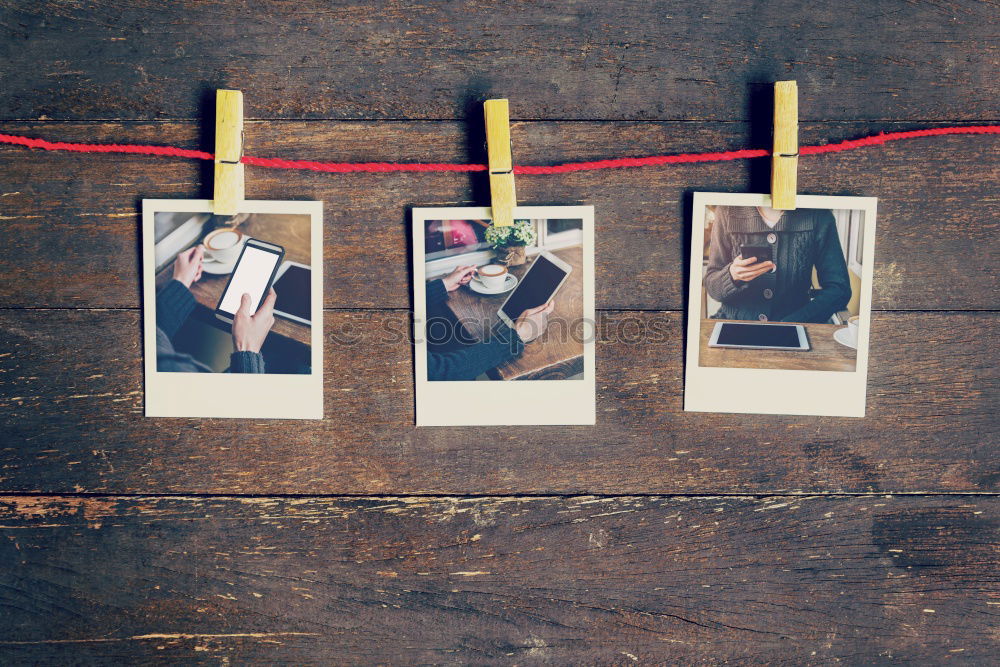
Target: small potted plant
509	242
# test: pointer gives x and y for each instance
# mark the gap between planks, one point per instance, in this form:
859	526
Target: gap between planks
490	496
644	120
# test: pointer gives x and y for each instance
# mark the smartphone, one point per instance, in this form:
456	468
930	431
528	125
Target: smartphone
255	270
763	253
539	285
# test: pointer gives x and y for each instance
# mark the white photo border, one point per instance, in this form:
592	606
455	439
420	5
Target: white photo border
784	392
516	403
251	396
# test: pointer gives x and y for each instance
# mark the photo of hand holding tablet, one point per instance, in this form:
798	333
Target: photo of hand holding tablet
534	293
503	316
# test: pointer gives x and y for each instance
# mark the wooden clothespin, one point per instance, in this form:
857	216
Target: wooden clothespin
502	194
229	181
785	155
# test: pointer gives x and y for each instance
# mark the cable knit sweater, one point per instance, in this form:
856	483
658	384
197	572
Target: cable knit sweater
802	239
174	304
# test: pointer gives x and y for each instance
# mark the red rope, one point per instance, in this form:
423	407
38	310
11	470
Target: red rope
170	151
382	167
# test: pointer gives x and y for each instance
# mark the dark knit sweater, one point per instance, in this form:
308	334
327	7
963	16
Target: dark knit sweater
801	239
457	361
174	304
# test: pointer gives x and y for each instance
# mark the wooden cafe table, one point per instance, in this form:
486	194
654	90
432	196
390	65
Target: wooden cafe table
824	353
558	352
289	231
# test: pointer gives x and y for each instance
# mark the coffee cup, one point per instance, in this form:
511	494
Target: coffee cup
492	276
222	245
852	329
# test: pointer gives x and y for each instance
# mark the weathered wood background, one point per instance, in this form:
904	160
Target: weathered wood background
654	537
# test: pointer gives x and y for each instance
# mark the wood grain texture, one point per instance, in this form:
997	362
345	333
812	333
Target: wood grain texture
512	579
71	414
575	580
583	60
935	246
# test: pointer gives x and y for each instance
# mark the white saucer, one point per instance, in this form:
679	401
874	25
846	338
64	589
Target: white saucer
218	268
222	268
509	284
842	336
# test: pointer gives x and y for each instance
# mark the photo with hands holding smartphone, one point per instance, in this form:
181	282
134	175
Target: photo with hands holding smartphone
231	299
249	325
752	262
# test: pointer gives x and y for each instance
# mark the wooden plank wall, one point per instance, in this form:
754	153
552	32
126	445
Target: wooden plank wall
654	537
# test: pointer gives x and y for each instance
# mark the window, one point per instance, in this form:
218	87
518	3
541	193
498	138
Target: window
451	243
556	233
859	247
851	230
855	253
174	232
446	238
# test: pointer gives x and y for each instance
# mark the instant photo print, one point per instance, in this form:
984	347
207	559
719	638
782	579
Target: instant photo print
779	307
232	309
504	317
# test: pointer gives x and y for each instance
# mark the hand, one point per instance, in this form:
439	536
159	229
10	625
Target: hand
533	321
460	276
187	266
746	270
250	330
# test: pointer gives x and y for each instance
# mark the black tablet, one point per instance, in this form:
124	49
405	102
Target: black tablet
540	284
759	336
294	288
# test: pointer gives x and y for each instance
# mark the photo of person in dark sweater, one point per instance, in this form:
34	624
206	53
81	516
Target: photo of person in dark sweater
232	309
450	356
503	316
780	289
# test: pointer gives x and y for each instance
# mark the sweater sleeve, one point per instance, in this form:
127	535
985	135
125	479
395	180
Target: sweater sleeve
436	293
718	281
174	303
503	344
246	362
169	360
831	271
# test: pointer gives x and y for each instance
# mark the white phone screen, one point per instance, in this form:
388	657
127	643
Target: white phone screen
252	274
